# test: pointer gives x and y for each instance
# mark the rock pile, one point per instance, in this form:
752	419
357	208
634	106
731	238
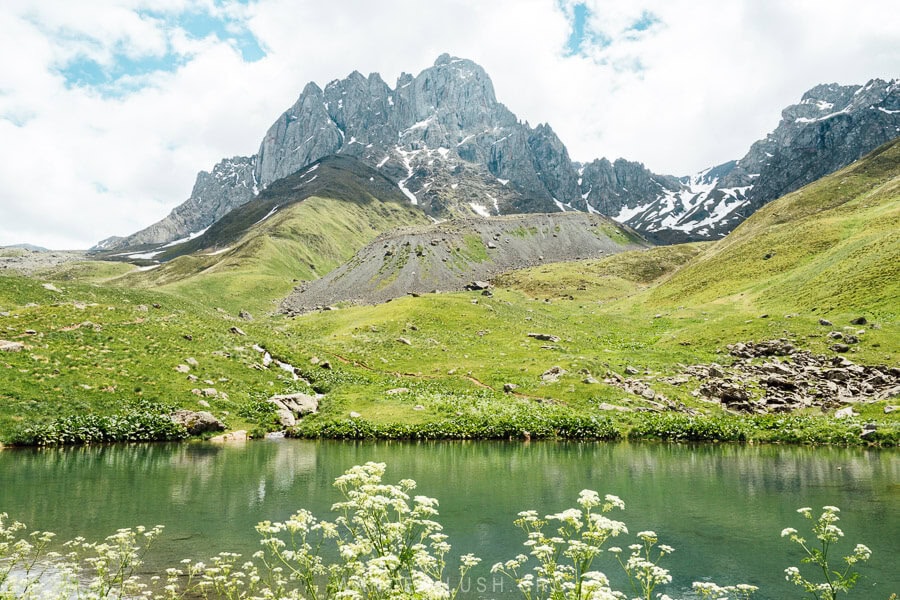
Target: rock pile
803	380
788	379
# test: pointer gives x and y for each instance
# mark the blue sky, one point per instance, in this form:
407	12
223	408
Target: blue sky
122	71
109	108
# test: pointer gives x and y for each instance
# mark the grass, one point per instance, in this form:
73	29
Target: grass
300	243
94	349
440	362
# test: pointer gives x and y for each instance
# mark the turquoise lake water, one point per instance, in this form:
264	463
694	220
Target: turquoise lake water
721	506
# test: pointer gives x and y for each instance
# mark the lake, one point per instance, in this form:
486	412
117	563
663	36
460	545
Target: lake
721	506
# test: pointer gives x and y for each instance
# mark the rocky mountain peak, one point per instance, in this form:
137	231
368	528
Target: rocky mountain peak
454	150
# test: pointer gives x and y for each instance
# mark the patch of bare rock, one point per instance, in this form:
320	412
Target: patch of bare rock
776	377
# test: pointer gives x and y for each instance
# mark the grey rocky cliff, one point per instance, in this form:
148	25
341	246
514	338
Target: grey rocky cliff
831	126
231	184
454	150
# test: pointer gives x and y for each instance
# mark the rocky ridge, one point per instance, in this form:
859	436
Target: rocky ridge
454	150
450	256
831	127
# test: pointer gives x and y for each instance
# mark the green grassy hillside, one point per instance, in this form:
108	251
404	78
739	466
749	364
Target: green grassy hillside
301	242
298	229
832	246
464	363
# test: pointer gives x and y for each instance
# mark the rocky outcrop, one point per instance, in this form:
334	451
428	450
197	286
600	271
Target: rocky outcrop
291	407
774	376
197	423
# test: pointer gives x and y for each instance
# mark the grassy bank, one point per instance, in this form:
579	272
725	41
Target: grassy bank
546	353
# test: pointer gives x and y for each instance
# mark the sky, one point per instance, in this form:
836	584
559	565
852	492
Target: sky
109	108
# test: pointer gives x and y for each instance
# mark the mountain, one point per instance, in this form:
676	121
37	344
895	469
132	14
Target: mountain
300	227
449	256
829	128
453	150
830	247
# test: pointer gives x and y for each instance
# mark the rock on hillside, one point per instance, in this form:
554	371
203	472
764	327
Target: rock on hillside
450	255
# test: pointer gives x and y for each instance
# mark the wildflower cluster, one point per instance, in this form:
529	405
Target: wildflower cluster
826	533
29	570
385	544
565	555
389	545
642	566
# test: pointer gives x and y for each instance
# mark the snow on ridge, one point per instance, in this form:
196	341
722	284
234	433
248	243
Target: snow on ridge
626	214
418	125
409	174
189	237
272	212
495	201
144	255
382	162
480	209
822	118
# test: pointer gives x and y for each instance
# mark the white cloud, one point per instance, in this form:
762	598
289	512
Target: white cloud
695	89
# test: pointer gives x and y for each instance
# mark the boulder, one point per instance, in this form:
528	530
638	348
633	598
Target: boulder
7	346
235	436
607	406
844	413
197	422
290	407
245	315
237	331
544	337
552	374
859	321
510	387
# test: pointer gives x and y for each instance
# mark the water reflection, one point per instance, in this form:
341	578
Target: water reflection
721	506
